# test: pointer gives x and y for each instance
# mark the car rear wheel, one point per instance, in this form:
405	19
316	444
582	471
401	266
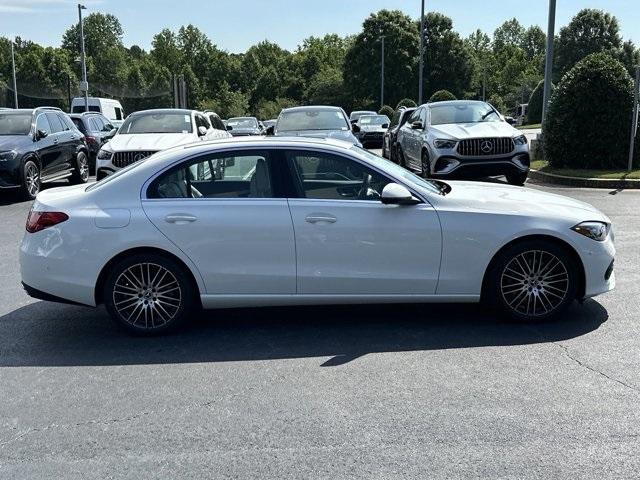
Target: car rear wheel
81	171
533	281
517	178
148	294
30	179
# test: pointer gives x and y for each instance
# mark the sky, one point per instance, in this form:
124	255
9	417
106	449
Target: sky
235	25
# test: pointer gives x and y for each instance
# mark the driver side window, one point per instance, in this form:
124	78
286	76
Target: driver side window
333	177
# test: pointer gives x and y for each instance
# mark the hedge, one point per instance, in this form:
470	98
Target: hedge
442	96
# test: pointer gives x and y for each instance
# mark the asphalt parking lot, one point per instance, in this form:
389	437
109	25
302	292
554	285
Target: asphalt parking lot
350	392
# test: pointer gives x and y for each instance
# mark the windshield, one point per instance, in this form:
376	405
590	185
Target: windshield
15	123
475	112
373	120
298	120
357	115
172	122
242	122
399	171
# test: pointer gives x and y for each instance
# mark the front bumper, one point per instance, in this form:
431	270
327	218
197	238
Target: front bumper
598	261
370	138
10	174
450	166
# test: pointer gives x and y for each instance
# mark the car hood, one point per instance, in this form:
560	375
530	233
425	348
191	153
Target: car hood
507	199
9	142
344	135
149	141
461	131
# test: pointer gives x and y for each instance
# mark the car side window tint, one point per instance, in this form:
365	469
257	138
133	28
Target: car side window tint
63	121
202	122
334	177
43	124
246	174
94	125
55	123
423	116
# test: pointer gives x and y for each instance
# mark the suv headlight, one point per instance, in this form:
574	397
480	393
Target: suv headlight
440	143
597	231
104	154
521	140
8	156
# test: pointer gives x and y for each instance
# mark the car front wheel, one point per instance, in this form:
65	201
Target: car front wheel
517	178
30	179
81	171
533	281
148	294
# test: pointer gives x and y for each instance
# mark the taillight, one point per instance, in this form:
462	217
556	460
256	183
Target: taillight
37	221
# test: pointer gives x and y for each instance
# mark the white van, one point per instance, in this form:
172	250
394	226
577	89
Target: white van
110	108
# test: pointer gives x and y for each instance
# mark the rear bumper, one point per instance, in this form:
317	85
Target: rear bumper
40	295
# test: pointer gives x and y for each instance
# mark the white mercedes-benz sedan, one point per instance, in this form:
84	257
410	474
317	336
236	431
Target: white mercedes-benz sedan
286	221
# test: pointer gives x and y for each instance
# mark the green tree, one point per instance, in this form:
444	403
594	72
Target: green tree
498	103
534	110
387	110
442	96
406	102
510	33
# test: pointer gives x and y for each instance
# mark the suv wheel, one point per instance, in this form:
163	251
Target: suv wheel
81	171
533	281
517	178
148	294
30	179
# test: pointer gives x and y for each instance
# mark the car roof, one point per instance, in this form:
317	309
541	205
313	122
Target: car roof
454	102
312	107
183	111
85	114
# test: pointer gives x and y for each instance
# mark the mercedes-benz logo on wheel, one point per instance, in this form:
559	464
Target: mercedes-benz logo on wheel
486	146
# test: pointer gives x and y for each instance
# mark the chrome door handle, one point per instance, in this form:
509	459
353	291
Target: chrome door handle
320	217
180	218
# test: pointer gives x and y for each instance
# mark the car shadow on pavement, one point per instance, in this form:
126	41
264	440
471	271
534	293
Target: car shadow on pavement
48	334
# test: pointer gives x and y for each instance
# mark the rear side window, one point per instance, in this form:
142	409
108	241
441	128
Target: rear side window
244	174
55	123
95	123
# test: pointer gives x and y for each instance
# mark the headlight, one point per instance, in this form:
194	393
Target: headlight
8	156
445	143
595	230
104	154
521	140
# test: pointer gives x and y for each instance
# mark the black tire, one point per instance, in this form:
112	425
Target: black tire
81	169
149	294
540	293
30	180
517	178
425	164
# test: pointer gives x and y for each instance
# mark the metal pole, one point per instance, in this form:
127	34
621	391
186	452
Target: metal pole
85	84
634	119
548	66
382	74
421	67
13	68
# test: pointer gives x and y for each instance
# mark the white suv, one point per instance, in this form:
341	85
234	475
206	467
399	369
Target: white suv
146	132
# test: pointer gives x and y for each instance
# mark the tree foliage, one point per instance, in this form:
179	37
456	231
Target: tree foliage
534	110
442	96
387	110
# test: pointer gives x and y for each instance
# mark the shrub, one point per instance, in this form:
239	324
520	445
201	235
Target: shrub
406	102
442	96
534	110
387	110
589	118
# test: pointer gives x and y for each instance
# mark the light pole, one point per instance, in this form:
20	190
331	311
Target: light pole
382	72
548	66
634	118
421	67
84	85
15	85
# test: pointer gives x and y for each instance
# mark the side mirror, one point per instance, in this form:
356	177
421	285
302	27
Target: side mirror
385	125
355	128
112	133
355	120
417	125
40	134
270	130
202	131
396	194
229	128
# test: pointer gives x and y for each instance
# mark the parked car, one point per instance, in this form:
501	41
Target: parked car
372	129
271	221
97	130
270	123
354	116
219	128
389	140
149	131
244	126
109	107
316	122
462	139
38	146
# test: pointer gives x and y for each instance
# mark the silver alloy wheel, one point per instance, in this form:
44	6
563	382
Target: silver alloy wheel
147	295
32	179
83	167
534	283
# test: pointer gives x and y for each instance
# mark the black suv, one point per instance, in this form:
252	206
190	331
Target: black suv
97	130
390	139
40	145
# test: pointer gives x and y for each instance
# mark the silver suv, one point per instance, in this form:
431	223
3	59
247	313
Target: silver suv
463	139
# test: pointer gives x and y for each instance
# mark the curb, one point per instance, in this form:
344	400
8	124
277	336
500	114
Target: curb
555	179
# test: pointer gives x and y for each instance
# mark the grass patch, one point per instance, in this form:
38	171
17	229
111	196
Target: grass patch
527	127
543	166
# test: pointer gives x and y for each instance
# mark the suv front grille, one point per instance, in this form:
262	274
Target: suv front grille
122	159
482	147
